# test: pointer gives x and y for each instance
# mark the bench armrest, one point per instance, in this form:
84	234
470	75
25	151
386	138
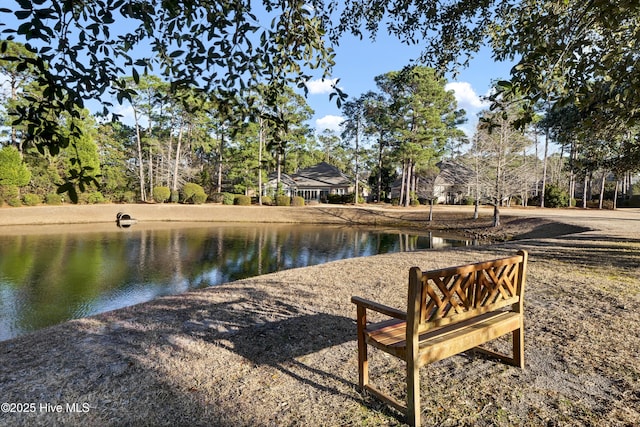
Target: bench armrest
380	308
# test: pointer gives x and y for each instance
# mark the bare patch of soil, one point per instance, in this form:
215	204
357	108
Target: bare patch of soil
280	349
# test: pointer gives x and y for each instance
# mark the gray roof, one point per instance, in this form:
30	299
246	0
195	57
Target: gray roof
284	179
455	173
321	174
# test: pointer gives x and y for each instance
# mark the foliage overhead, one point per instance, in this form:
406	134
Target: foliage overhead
83	49
563	49
577	53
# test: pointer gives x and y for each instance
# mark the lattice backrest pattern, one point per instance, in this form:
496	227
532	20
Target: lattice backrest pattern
496	284
458	291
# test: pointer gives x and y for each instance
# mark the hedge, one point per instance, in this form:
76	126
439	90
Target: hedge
161	194
242	200
283	200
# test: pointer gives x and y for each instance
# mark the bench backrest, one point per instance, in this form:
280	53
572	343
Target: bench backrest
440	297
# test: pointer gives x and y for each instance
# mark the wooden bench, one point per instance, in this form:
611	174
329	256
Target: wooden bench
449	311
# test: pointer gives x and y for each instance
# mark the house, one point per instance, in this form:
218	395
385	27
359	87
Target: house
450	184
314	183
453	183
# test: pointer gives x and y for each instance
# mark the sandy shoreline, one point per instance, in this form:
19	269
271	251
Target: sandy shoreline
145	213
280	349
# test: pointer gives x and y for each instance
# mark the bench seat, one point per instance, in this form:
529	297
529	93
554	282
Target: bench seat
445	341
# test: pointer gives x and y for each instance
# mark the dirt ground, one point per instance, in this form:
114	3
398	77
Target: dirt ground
280	349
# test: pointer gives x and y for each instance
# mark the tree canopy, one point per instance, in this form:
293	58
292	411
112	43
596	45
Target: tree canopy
567	52
563	49
81	51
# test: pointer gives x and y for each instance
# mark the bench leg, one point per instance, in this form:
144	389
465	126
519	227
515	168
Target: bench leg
518	347
363	361
413	394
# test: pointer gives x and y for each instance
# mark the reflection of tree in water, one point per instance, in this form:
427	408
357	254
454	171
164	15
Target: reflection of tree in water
45	280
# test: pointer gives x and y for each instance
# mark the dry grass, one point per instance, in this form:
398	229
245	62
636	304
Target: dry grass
280	349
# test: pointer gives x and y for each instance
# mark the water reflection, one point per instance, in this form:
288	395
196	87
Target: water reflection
49	278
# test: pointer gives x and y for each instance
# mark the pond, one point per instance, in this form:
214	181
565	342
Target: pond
48	276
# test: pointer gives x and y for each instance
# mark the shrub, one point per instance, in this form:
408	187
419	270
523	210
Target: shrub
31	199
175	196
9	192
189	190
607	204
228	198
161	194
199	198
298	201
335	199
349	198
242	200
595	204
128	197
95	198
15	202
282	200
53	199
217	197
555	197
267	200
468	201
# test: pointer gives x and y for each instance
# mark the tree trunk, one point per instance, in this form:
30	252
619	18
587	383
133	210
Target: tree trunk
260	142
408	183
584	191
381	146
14	132
174	185
150	170
602	182
169	178
140	161
278	171
431	209
544	167
357	189
404	176
219	173
496	215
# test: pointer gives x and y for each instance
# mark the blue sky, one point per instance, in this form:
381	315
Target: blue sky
358	62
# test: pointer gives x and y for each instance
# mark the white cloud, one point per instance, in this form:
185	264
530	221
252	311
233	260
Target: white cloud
329	122
467	97
320	86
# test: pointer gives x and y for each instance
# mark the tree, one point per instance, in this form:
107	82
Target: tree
353	127
379	124
115	148
12	170
18	79
220	48
286	127
499	146
423	117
